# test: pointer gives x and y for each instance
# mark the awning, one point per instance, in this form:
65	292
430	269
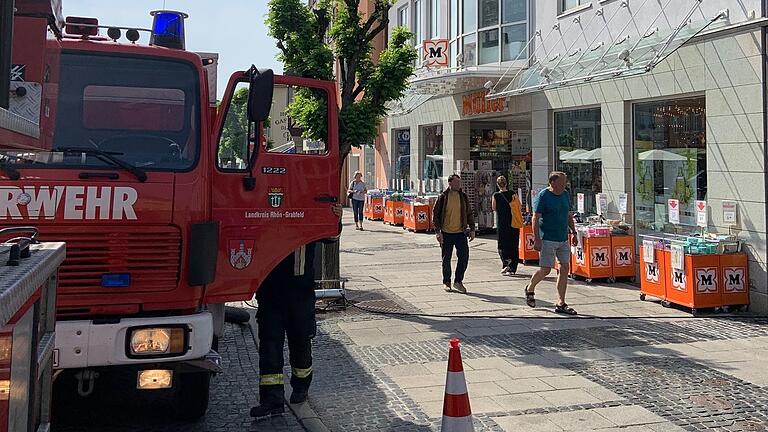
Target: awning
624	57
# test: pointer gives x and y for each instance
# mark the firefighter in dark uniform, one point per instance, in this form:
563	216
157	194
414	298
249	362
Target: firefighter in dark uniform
286	301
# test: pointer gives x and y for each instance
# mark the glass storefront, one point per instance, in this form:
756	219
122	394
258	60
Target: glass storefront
578	153
433	152
402	165
508	150
670	158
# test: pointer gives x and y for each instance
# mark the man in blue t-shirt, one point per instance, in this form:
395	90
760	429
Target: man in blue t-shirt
552	220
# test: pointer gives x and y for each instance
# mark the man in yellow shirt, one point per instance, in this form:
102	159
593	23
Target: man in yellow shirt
454	222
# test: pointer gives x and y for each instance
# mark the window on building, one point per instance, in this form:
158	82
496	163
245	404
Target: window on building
489	46
434	19
579	155
402	164
670	156
570	4
514	39
454	13
418	28
489	13
469	15
402	17
369	158
433	152
470	49
514	11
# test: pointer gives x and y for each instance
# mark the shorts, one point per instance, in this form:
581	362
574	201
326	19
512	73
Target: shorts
551	250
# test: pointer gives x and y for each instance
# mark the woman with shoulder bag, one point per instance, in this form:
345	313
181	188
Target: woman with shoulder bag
356	194
509	220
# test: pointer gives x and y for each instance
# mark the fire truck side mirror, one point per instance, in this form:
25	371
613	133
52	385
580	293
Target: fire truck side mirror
260	94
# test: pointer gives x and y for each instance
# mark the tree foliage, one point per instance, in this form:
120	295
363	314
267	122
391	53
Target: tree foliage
313	42
235	130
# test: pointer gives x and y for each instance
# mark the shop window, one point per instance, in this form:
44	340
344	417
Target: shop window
453	51
670	158
433	152
514	11
578	154
489	46
369	158
514	39
508	150
403	162
489	13
418	28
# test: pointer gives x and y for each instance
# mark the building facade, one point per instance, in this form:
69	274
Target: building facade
655	99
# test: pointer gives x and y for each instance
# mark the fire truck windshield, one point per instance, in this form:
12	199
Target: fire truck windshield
144	110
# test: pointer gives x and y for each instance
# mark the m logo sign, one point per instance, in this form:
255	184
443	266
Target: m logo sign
706	280
678	280
623	257
422	217
580	256
436	52
529	241
399	212
652	273
733	277
600	257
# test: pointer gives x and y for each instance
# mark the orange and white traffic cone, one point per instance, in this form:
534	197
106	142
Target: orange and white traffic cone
457	415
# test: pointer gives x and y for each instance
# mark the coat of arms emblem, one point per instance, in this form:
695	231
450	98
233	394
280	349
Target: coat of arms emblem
241	253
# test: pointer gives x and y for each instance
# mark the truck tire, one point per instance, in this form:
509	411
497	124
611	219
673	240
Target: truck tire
191	397
236	315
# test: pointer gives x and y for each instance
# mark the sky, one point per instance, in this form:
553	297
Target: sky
236	32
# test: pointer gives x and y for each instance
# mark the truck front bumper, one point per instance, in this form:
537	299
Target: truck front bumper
84	344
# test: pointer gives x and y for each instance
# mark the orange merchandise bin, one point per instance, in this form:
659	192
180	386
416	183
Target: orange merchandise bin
653	279
735	278
577	257
596	259
526	251
623	255
697	285
374	208
417	217
393	212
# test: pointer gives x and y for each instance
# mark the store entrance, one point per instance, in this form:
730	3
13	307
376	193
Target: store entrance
506	143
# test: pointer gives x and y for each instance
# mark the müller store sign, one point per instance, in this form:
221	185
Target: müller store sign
476	104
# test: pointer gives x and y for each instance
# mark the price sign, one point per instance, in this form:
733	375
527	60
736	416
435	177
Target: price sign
580	203
623	203
673	208
701	213
729	212
602	203
678	257
649	250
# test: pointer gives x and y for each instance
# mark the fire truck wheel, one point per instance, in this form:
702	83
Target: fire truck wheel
191	399
236	315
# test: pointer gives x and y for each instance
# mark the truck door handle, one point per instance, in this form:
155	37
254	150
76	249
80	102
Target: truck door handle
326	198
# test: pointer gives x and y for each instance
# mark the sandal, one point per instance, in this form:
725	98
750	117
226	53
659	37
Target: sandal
530	298
564	309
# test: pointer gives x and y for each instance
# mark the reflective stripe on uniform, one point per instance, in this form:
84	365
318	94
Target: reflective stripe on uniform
271	379
302	373
299	259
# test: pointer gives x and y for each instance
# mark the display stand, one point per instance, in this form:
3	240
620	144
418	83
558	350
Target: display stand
653	280
593	259
695	286
623	255
417	217
526	251
373	208
735	277
393	212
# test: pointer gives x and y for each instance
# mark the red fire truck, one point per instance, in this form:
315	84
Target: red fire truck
169	203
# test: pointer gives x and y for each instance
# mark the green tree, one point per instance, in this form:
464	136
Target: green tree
235	130
312	42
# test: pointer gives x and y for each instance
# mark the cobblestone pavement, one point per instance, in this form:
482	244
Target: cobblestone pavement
629	366
232	394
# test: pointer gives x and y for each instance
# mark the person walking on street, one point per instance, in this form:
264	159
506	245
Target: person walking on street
509	220
552	221
454	223
356	193
286	302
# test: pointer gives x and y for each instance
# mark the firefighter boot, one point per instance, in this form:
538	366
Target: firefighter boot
267	410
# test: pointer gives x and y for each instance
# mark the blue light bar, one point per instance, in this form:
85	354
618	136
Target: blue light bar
168	29
115	280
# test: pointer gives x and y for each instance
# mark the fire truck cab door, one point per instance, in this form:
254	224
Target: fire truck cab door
274	182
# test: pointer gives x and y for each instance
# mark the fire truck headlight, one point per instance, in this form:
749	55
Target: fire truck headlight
154	379
157	341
